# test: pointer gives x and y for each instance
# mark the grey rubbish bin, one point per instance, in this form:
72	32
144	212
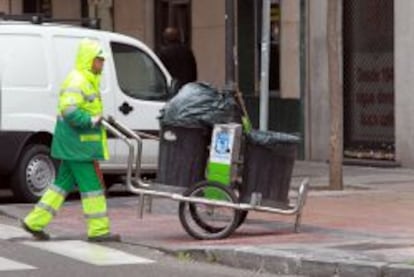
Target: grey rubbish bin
182	155
186	122
268	163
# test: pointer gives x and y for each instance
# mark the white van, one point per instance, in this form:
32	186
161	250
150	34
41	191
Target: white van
34	60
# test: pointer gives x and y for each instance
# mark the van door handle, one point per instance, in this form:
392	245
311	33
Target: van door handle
125	108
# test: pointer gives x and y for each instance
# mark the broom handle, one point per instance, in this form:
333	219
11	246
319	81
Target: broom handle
241	103
247	125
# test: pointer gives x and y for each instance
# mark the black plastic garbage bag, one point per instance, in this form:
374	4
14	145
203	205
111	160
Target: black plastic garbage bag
199	105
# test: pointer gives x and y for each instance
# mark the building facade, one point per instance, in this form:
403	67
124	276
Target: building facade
145	19
376	62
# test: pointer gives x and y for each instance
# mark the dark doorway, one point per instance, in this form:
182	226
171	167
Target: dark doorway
274	55
38	6
173	13
84	9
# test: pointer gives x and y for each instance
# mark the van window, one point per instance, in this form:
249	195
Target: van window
23	60
138	75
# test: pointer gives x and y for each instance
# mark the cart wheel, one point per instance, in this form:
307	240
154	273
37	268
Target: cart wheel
203	221
212	229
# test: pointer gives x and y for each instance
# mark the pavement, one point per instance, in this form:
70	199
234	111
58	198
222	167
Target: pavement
367	229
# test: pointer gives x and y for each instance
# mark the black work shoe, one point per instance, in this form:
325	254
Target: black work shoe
105	238
39	235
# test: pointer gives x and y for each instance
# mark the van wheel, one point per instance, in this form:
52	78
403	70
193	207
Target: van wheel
35	171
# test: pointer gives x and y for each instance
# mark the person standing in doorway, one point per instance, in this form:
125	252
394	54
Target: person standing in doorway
79	141
178	58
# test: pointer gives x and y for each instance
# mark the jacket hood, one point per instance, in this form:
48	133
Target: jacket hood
87	51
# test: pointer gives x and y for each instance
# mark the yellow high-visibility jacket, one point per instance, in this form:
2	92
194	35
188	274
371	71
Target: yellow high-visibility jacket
75	138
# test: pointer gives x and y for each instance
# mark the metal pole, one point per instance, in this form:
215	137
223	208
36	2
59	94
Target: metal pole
264	72
229	20
303	73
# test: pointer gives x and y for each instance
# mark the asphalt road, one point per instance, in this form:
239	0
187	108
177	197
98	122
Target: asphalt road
20	255
6	196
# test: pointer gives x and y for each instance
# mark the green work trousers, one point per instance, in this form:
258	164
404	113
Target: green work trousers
87	179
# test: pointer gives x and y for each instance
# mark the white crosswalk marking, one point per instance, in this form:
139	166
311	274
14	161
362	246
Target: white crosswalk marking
8	265
88	252
75	249
10	232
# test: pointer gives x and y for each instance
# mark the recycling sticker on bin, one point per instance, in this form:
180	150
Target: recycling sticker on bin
222	145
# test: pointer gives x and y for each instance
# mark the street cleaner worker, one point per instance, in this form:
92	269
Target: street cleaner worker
79	141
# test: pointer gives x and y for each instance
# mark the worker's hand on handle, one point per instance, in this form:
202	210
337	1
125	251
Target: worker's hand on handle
96	120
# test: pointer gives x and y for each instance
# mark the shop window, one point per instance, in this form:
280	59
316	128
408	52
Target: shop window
369	108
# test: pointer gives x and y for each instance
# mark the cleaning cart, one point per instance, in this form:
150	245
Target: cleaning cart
217	171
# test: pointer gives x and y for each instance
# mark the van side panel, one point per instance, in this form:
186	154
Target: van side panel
11	145
34	59
28	101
